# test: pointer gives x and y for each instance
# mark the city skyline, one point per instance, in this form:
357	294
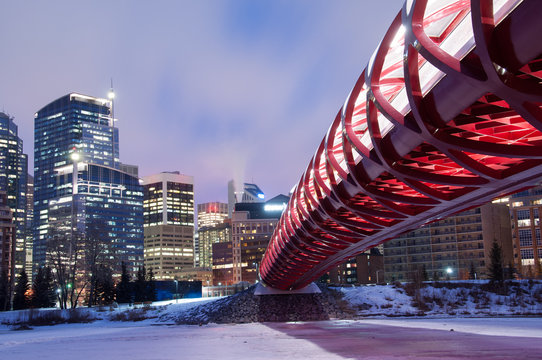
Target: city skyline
213	86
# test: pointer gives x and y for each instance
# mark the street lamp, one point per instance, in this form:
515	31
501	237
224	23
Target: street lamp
449	272
176	291
59	297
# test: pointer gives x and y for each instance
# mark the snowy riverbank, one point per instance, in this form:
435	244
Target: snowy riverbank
444	299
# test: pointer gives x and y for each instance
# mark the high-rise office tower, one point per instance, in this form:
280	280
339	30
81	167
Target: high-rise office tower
243	193
105	208
78	186
13	173
209	235
211	229
169	224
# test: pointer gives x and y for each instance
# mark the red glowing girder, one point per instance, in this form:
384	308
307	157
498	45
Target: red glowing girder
447	116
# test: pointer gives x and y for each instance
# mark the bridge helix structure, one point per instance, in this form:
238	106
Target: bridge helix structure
445	117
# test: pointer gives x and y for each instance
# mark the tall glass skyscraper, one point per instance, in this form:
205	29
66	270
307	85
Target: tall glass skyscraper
106	208
13	177
77	179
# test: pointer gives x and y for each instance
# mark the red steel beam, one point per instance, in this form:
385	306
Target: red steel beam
446	116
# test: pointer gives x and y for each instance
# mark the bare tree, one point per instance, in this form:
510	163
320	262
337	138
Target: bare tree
65	255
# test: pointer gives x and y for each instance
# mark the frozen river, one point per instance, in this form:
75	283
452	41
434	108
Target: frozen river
482	338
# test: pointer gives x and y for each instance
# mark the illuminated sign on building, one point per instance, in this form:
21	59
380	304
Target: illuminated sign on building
274	207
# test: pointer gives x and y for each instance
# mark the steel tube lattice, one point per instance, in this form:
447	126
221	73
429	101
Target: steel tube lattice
446	116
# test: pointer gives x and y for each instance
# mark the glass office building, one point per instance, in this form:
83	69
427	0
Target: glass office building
13	177
169	199
76	147
107	206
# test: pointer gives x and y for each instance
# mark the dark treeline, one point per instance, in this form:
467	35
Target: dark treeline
45	291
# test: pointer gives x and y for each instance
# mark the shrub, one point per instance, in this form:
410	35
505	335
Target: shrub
422	306
130	315
34	317
79	316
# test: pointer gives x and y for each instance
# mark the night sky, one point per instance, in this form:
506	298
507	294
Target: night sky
215	89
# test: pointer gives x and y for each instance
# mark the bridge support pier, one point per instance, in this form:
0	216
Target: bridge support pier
262	289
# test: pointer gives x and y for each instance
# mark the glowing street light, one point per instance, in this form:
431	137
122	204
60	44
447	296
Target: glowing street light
176	291
449	272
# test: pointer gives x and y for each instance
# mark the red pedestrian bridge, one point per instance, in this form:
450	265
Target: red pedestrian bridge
446	116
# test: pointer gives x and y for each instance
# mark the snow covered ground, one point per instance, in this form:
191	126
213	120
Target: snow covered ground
489	338
466	298
450	330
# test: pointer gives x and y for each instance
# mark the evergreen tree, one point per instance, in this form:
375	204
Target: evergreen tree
140	285
43	290
20	298
123	291
38	289
496	273
150	287
105	286
4	291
